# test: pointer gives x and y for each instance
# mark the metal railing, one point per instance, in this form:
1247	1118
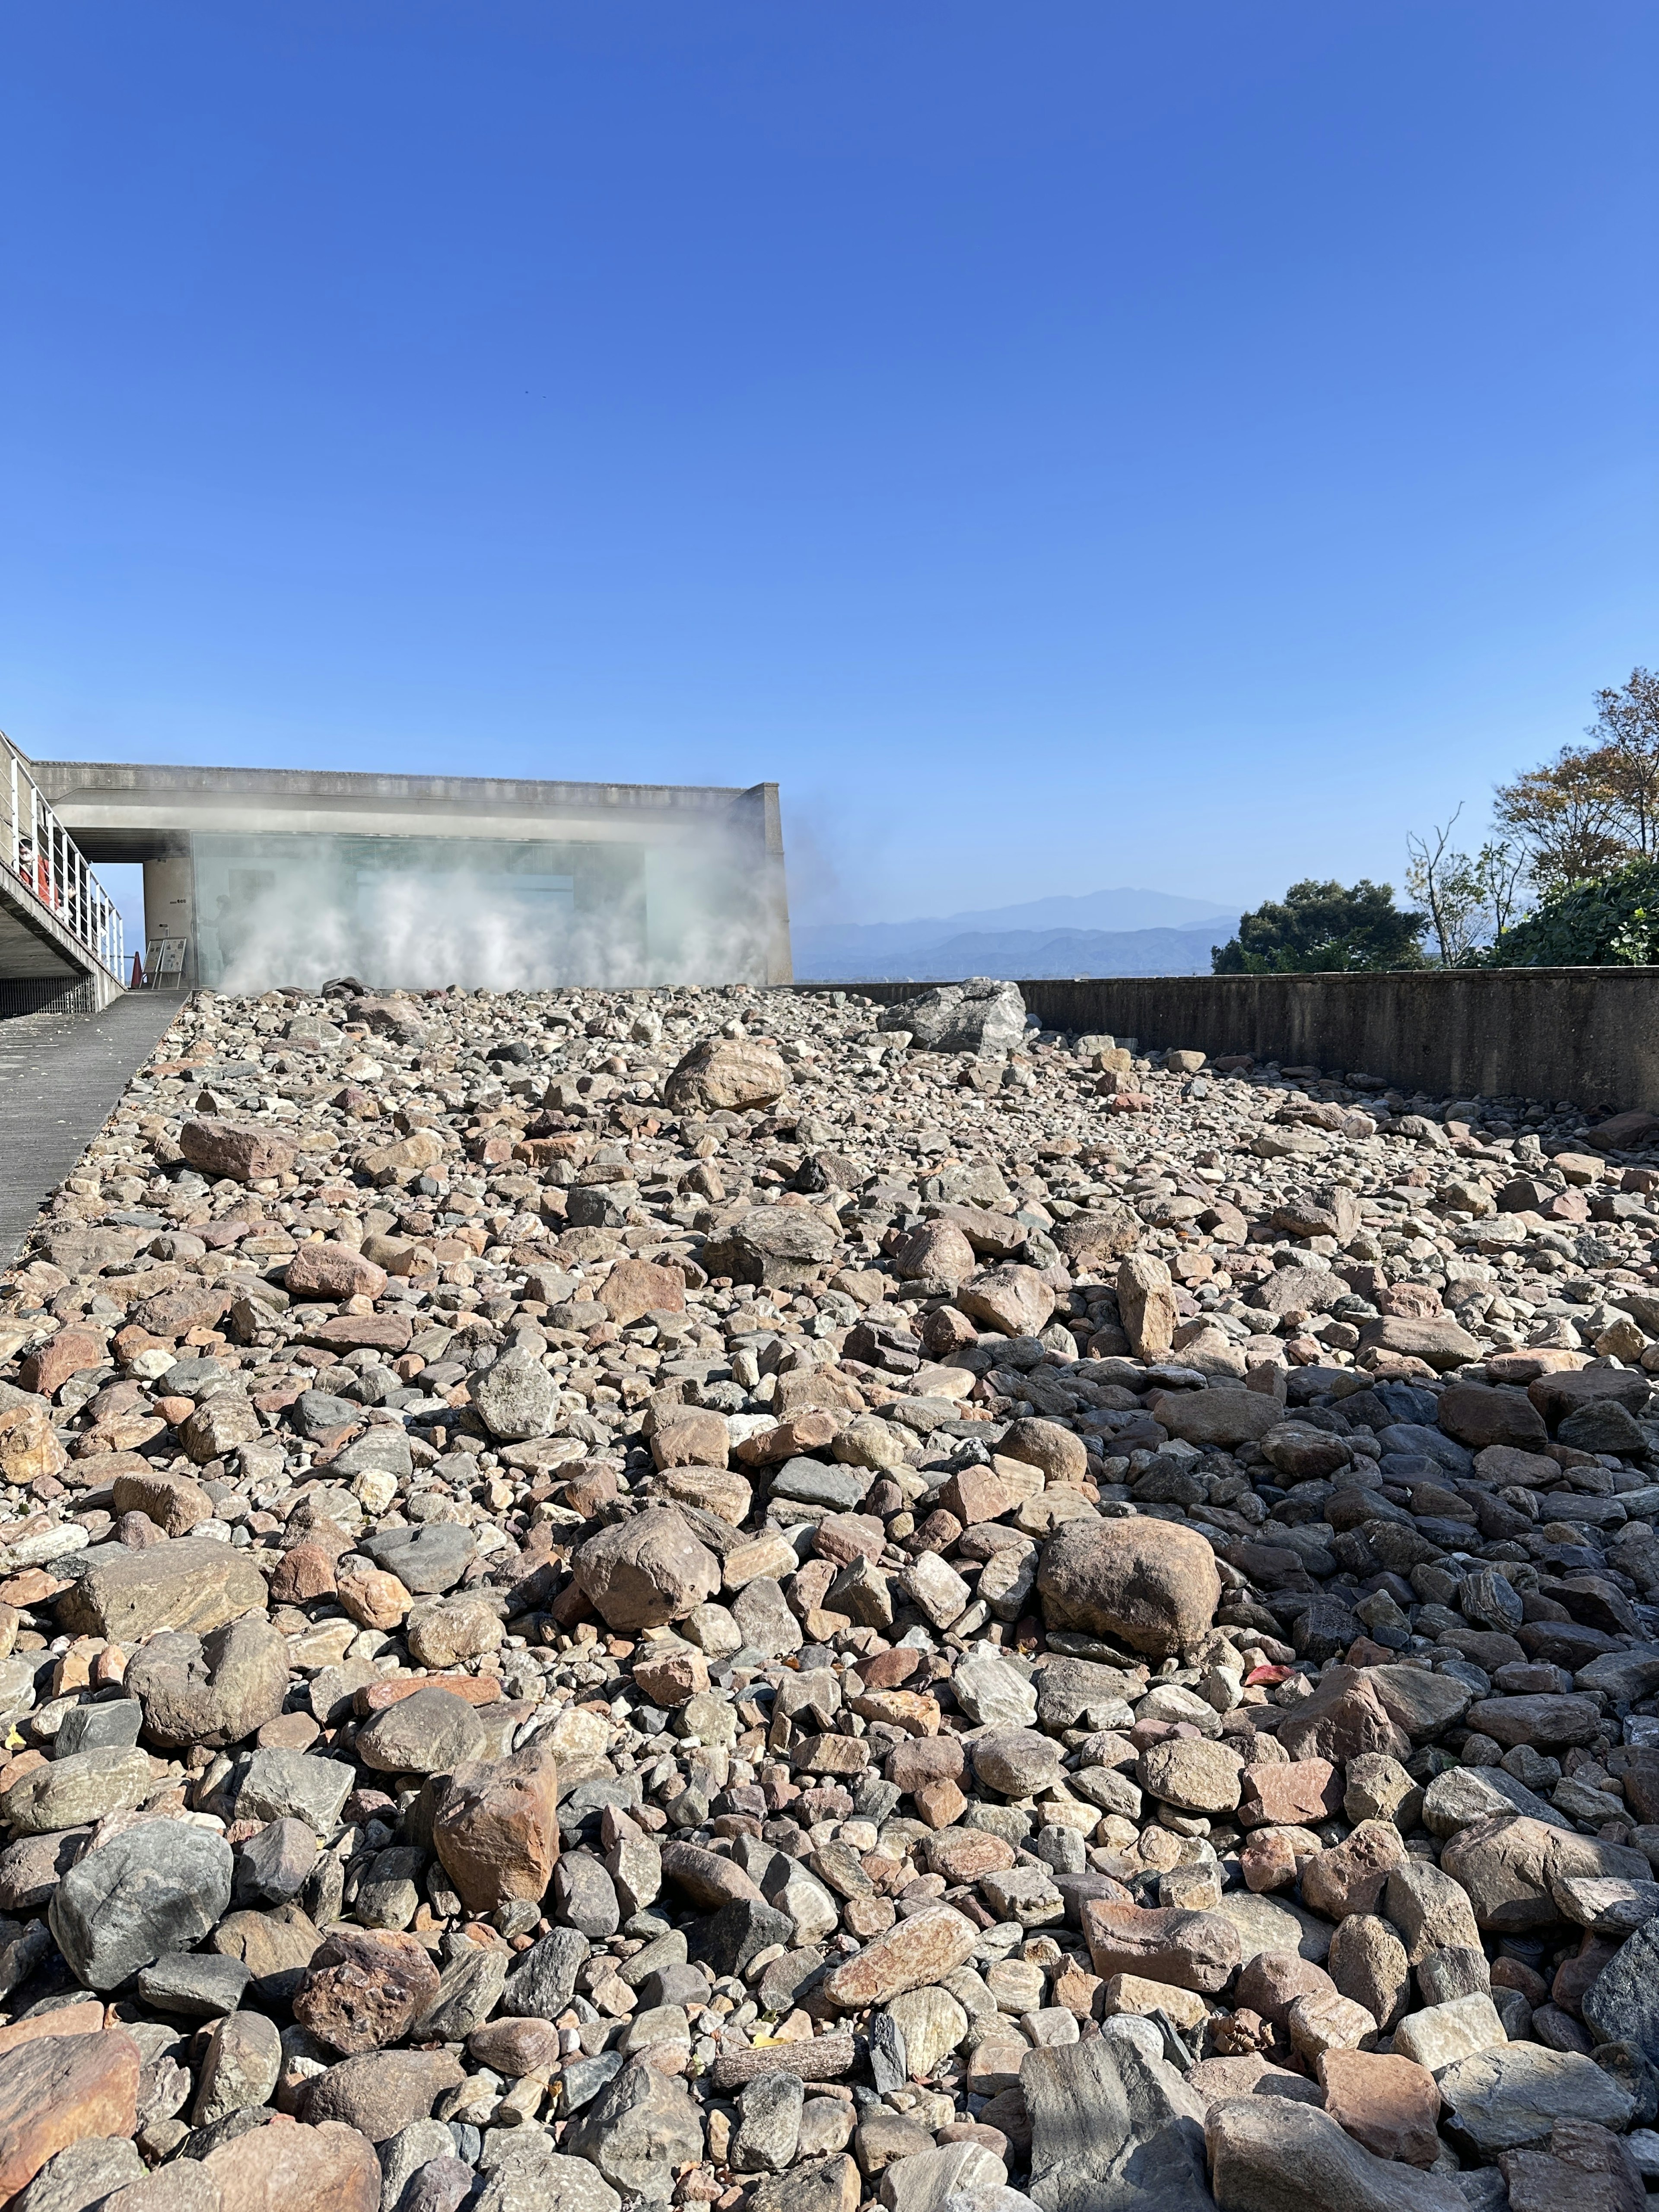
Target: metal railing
45	859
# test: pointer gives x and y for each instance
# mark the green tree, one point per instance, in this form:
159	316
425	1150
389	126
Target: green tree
1321	928
1608	921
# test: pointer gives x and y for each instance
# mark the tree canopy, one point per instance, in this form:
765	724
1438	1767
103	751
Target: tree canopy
1320	929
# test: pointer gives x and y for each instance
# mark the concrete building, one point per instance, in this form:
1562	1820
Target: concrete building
255	877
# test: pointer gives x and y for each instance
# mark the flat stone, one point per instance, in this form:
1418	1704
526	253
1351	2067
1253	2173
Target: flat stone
194	1583
427	1560
1501	2099
1273	2152
1112	2126
921	1949
58	2089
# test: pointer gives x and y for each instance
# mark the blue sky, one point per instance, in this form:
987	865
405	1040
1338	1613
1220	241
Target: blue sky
1065	446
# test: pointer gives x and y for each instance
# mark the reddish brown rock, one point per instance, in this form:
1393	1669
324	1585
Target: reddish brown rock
1193	1950
497	1830
332	1271
71	1351
1480	1417
286	2166
635	1288
174	1313
373	1598
1344	1717
1389	2104
306	1572
1294	1793
240	1151
911	1955
1271	1982
1151	1584
58	2091
29	1449
365	1988
173	1502
646	1571
1352	1876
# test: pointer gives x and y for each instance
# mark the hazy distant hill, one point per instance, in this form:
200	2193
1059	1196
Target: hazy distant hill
1112	933
1030	952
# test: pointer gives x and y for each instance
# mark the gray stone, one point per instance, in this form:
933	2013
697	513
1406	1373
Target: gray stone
198	1984
1277	2154
516	1398
469	1988
427	1560
433	1732
1498	2099
530	2179
212	1690
809	1482
639	2131
770	2131
544	1982
762	1612
404	2154
1622	2003
1465	1794
275	1865
87	1787
993	1694
244	2057
79	2176
282	1785
586	1896
1016	1762
111	1725
157	1887
981	1016
1112	2130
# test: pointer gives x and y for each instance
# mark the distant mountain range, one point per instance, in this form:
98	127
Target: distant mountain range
1133	933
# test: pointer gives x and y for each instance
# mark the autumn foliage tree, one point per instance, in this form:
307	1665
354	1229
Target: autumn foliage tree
1596	807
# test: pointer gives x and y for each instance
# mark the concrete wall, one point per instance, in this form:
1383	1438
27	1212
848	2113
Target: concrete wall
1590	1034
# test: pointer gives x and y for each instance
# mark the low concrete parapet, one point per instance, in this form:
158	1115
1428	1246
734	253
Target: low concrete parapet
1586	1034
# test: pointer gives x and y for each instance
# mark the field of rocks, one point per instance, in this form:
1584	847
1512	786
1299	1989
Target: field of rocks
747	1600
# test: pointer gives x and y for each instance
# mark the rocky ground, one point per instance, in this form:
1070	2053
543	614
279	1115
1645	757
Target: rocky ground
732	1599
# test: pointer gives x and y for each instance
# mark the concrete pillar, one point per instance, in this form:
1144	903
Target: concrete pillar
170	902
759	805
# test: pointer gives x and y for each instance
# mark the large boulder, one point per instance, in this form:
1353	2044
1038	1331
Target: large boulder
645	1571
981	1016
239	1151
212	1690
1151	1584
156	1888
774	1247
729	1072
1110	2125
194	1584
639	2132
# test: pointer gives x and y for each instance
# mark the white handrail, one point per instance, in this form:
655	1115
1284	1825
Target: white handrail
45	860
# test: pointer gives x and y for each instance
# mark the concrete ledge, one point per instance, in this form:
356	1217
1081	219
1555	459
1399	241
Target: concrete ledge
1590	1034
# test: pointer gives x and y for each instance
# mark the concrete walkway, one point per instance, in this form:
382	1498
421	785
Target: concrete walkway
60	1078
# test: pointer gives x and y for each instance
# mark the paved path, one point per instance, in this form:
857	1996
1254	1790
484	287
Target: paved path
60	1077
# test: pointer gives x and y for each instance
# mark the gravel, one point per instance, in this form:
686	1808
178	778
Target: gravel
794	1589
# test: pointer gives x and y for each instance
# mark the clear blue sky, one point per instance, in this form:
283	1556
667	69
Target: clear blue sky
1067	446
